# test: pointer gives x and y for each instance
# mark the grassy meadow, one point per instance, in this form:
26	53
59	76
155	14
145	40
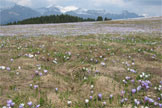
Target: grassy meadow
87	71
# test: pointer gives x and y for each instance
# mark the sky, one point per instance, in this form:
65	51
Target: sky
141	7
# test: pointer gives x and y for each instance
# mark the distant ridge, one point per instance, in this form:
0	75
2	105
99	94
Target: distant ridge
18	12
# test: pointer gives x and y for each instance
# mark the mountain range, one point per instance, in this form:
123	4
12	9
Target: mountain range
18	12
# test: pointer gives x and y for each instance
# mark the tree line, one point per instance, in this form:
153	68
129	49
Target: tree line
63	18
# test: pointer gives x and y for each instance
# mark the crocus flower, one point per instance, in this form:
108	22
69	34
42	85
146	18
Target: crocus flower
37	106
104	103
86	101
132	81
21	105
99	96
161	82
136	102
56	89
8	68
111	96
133	91
92	86
151	100
40	74
30	104
160	105
90	97
36	72
122	93
69	103
45	71
122	101
146	98
9	101
139	88
155	103
35	86
91	91
103	64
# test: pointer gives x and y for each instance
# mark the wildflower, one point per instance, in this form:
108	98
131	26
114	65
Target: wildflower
92	86
151	100
37	106
86	101
36	72
127	78
9	101
155	103
103	64
99	96
40	74
122	93
56	89
12	59
30	104
104	103
133	91
122	101
136	102
132	81
8	68
111	96
19	67
35	86
90	97
21	105
30	85
160	105
45	71
91	91
69	103
139	88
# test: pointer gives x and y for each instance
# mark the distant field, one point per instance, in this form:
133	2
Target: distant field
109	64
147	25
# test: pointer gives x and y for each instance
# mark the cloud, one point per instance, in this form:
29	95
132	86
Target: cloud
21	2
108	2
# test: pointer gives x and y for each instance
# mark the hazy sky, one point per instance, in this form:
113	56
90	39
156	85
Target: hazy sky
148	7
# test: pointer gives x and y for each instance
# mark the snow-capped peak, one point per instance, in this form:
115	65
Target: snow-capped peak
64	9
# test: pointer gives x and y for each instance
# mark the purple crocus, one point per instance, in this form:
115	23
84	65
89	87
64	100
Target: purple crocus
35	86
37	106
21	105
30	104
122	101
155	103
132	81
9	101
122	93
99	96
36	72
133	91
146	98
90	97
40	74
111	96
161	82
45	71
151	100
139	88
56	89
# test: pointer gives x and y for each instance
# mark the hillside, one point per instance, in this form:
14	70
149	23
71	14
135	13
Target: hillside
52	19
78	65
18	13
